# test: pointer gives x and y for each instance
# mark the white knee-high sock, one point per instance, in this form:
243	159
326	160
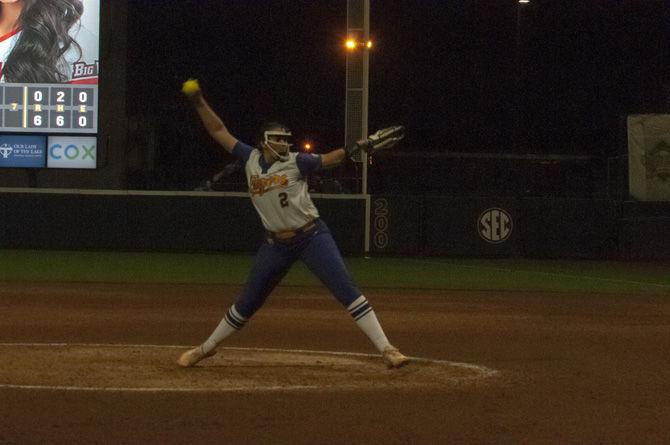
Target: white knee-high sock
366	319
231	322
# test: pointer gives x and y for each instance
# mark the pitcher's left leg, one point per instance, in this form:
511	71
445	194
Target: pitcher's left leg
323	258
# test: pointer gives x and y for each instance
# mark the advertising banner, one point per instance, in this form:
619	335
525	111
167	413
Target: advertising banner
649	157
72	152
22	151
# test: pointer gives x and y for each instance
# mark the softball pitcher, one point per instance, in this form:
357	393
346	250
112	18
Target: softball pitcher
294	231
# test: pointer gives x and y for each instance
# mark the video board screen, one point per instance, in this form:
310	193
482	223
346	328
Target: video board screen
49	85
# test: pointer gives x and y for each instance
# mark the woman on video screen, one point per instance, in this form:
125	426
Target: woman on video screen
36	43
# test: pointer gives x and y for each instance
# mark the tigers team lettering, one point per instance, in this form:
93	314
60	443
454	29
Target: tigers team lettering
258	186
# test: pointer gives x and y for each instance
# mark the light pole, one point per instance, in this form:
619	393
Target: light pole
356	104
519	99
358	45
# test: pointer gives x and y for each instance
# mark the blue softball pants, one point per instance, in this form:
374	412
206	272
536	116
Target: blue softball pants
316	248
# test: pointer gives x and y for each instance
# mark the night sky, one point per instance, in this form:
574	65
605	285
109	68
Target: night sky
458	74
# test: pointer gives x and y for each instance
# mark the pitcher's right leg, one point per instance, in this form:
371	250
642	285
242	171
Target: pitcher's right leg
270	266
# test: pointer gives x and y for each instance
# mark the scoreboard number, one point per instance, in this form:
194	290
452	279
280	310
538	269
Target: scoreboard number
53	108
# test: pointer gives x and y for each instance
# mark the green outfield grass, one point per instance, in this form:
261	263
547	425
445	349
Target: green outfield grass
423	273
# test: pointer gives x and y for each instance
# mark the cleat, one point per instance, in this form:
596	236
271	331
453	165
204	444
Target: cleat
394	358
193	356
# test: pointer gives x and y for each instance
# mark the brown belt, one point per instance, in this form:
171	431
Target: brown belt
290	234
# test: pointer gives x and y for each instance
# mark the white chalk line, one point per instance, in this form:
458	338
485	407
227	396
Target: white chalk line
483	371
189	390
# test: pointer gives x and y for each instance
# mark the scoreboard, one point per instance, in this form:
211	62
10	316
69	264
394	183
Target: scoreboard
48	108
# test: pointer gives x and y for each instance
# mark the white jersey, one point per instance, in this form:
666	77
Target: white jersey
279	191
7	43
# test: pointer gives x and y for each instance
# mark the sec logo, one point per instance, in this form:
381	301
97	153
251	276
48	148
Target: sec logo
494	225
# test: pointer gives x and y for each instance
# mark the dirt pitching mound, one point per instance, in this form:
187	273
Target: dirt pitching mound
153	368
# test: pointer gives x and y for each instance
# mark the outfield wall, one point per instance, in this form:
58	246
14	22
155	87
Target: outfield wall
399	225
153	221
490	227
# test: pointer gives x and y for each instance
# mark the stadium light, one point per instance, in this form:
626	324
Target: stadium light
352	44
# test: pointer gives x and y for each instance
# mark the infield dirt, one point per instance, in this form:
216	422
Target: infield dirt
571	368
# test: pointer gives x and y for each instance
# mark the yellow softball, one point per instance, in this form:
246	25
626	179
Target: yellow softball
190	87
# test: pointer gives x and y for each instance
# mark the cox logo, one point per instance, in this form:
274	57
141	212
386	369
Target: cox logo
494	225
72	152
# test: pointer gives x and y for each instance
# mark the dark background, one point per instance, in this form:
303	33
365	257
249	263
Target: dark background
550	77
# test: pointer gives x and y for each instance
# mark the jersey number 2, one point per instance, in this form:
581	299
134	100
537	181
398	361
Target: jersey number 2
283	199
